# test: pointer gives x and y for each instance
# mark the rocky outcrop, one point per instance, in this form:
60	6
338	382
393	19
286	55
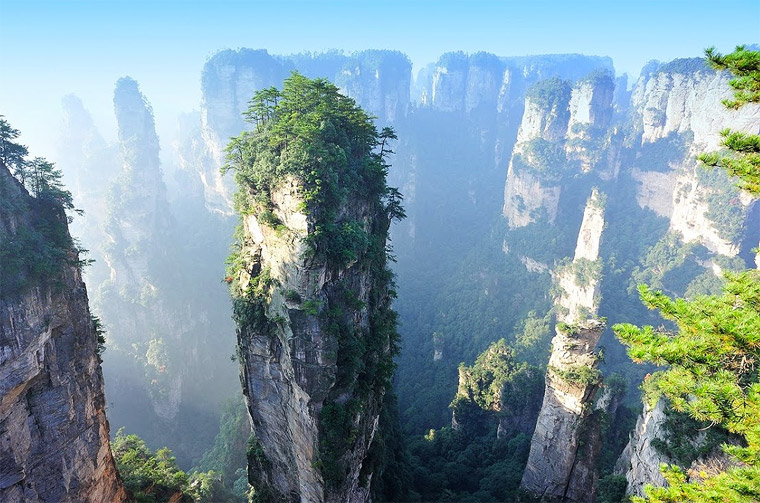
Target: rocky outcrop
572	380
685	96
571	383
579	280
497	389
138	227
312	302
54	436
640	460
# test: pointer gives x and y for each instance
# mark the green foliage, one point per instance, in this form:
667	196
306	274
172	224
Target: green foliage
666	255
683	66
100	333
712	377
743	158
658	155
532	339
41	245
311	135
543	156
154	477
687	439
311	132
724	207
151	477
497	382
578	375
12	154
227	456
449	465
611	489
551	94
583	270
745	65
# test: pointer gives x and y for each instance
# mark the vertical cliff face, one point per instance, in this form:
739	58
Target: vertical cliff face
640	461
291	369
537	163
138	228
677	113
53	430
572	380
312	300
168	366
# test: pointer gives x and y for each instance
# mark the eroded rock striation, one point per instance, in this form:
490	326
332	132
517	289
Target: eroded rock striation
54	434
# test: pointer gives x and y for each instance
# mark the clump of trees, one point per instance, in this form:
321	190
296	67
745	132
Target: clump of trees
154	477
35	253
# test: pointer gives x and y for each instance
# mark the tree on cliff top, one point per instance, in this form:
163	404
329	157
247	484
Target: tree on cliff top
310	131
713	357
35	252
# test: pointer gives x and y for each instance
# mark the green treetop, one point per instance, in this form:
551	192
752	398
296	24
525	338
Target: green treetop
312	132
712	375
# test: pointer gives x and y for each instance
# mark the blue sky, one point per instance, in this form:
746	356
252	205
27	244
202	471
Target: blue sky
52	48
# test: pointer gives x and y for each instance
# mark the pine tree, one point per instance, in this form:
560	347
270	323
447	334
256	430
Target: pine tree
743	156
712	358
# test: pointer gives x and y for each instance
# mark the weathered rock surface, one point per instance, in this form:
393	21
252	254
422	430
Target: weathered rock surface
676	108
54	434
564	131
567	474
640	461
579	281
289	364
554	462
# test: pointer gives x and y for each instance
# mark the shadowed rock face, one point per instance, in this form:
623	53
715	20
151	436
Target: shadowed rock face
640	461
54	434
